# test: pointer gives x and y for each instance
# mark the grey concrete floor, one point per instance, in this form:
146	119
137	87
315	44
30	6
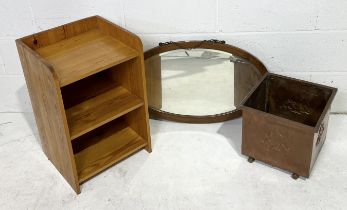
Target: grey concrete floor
191	167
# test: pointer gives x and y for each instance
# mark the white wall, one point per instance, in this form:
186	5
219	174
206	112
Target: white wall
303	39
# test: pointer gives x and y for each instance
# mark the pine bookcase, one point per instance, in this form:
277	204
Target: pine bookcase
87	87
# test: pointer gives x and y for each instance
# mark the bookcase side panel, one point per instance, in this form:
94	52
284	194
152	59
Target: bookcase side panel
131	76
48	108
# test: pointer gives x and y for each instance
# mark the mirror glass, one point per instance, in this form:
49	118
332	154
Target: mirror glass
198	82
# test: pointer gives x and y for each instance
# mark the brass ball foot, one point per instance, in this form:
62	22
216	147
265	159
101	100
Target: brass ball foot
251	160
295	176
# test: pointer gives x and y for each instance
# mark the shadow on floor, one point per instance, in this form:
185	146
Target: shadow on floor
25	105
232	130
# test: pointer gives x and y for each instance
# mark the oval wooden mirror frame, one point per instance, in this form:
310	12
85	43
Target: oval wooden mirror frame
206	44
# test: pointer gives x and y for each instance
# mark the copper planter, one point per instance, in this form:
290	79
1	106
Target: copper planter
285	122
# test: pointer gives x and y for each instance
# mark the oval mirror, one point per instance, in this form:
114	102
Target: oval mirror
199	81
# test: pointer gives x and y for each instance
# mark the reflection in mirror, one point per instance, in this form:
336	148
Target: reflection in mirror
198	82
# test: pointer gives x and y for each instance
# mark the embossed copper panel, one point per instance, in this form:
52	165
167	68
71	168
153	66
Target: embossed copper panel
285	122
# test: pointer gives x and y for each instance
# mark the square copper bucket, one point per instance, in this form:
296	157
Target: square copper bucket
285	122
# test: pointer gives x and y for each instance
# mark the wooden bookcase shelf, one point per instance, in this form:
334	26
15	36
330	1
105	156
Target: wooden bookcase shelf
87	86
101	109
105	146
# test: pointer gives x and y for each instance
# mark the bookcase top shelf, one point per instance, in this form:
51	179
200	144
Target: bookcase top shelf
85	54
